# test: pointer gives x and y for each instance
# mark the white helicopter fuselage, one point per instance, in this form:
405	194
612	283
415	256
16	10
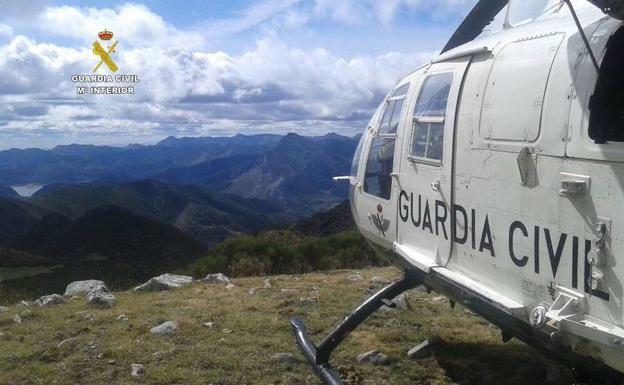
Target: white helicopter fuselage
480	170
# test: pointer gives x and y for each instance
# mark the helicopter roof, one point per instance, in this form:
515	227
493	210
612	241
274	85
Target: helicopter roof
514	22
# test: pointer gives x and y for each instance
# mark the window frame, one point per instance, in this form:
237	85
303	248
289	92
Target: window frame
429	119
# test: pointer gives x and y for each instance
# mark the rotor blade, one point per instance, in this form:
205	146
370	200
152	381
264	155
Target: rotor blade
480	16
613	8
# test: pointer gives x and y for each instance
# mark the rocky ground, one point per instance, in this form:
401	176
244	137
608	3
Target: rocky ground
212	333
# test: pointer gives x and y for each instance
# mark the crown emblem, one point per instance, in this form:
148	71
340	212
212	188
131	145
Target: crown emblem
105	35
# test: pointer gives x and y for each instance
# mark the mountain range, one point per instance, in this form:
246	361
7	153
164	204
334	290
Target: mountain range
128	213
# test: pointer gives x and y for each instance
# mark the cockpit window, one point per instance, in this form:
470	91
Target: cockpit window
378	179
428	120
392	112
523	11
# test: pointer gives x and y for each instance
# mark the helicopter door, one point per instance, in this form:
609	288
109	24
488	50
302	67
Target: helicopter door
425	178
378	201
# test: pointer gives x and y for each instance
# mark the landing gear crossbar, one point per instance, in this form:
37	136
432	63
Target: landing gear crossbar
319	356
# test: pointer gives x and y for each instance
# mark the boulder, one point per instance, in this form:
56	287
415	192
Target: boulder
85	287
101	298
165	282
138	370
168	327
49	300
372	357
219	278
400	302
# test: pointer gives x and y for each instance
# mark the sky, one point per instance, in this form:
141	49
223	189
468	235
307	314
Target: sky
209	68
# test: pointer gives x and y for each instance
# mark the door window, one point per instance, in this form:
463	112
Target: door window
428	120
378	178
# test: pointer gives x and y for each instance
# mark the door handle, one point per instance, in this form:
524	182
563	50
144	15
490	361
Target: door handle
435	186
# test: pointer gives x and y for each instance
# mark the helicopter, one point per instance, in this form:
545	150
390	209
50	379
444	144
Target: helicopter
495	175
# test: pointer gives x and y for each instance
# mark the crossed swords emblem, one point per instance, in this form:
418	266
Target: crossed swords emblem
105	56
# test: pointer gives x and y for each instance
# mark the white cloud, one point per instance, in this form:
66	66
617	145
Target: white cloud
134	25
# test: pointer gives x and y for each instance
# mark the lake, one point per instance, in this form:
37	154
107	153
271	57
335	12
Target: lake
27	190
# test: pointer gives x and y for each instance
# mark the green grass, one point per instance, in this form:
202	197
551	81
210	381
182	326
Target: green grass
7	273
471	351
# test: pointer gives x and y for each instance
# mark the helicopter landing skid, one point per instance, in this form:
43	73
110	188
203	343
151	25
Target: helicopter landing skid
318	357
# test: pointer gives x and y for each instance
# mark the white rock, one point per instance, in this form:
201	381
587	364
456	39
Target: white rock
230	286
122	318
253	290
85	287
379	281
101	298
355	277
89	317
284	358
3	309
217	278
372	357
267	283
138	371
165	282
308	300
17	319
422	350
25	303
68	341
209	324
227	331
168	327
49	300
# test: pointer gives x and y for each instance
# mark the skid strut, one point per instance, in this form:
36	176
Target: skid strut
318	357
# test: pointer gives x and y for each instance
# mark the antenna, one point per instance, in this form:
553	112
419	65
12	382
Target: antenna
580	29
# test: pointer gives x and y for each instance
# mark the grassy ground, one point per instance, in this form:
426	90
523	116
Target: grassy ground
103	348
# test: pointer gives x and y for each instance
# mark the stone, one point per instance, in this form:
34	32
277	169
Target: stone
49	300
101	298
308	300
230	286
168	327
17	319
253	290
355	277
66	342
284	358
3	309
227	331
165	282
122	318
267	283
89	317
209	325
78	288
138	370
422	350
219	278
379	281
400	302
374	357
25	303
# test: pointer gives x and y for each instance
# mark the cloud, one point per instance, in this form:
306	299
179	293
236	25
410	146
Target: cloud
188	88
134	24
